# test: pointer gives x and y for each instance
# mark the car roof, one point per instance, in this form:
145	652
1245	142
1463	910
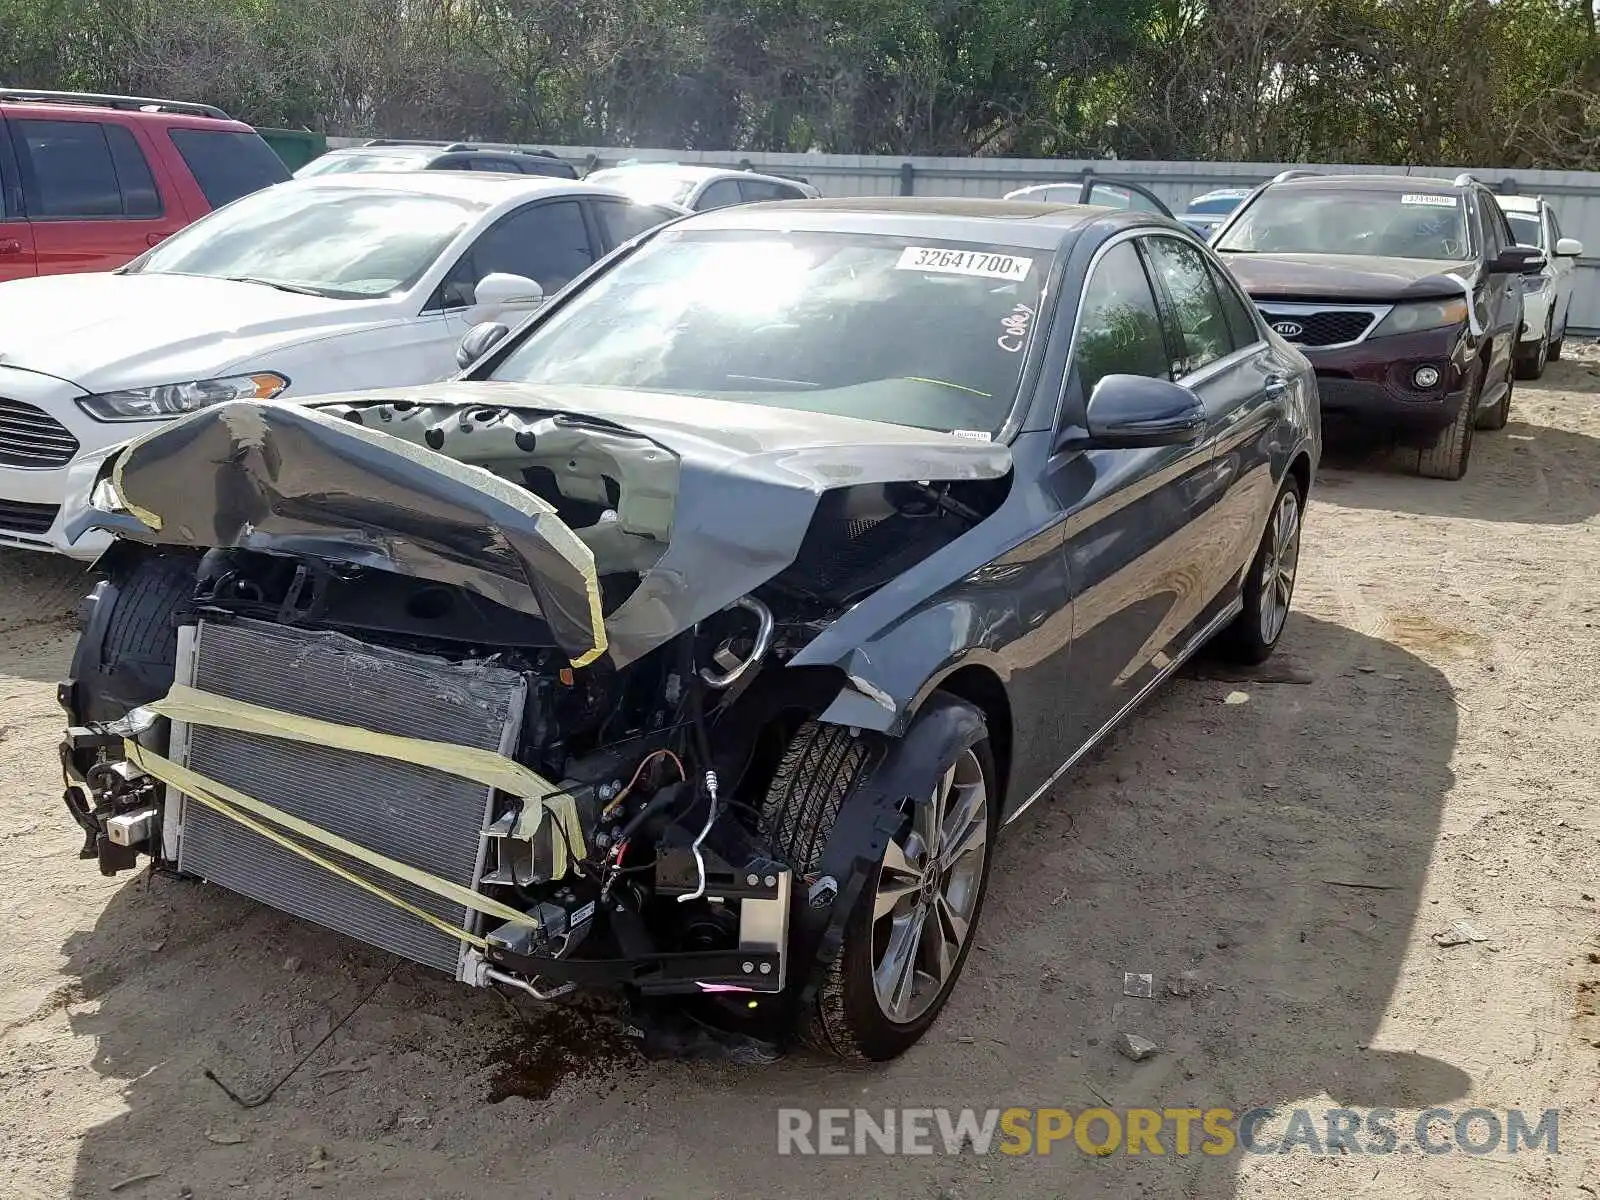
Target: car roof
1370	183
488	189
1000	222
1228	193
55	110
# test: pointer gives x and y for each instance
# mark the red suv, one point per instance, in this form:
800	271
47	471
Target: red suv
88	182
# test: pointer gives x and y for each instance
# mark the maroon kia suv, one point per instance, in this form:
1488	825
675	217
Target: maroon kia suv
1404	292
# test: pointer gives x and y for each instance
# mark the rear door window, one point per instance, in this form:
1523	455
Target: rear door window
621	221
721	194
756	190
67	169
228	163
1240	312
138	186
1196	307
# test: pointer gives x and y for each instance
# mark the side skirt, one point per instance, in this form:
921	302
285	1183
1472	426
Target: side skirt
1217	623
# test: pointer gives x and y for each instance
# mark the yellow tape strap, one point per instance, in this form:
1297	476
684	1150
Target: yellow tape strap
184	703
229	801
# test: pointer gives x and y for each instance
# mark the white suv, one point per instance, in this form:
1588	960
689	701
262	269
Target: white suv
316	285
1546	297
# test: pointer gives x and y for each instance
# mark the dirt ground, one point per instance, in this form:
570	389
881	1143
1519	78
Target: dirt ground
1443	748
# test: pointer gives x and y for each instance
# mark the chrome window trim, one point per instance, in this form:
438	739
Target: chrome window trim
1376	311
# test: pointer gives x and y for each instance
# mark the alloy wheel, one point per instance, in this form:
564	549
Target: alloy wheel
928	892
1281	560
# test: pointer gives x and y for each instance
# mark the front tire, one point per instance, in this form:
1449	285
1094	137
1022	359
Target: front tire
912	927
1447	457
1269	587
127	652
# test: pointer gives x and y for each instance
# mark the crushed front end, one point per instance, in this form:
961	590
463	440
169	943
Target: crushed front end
395	693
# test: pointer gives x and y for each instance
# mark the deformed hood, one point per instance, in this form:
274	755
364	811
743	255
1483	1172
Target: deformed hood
293	479
724	490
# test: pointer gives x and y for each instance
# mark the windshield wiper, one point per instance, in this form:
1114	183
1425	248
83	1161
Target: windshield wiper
297	288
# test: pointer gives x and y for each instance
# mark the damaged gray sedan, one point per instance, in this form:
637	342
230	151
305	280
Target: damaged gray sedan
699	639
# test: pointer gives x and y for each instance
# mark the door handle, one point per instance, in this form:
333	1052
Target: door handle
10	246
154	239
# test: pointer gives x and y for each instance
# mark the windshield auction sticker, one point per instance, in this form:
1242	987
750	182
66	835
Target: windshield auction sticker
964	262
1431	201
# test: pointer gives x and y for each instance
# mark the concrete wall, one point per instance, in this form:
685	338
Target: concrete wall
1574	194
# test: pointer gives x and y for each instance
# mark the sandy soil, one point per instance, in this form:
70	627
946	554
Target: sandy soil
1443	748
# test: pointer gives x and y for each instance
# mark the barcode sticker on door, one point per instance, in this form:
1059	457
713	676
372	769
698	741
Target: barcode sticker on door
964	262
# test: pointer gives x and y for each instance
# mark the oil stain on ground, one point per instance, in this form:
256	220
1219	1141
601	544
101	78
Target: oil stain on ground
557	1043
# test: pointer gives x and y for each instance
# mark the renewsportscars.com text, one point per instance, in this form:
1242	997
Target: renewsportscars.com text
1165	1131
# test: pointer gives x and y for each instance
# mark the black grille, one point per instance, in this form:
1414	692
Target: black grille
17	517
1331	328
31	437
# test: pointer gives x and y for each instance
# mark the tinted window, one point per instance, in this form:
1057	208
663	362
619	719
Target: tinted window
539	164
1119	332
68	169
504	165
721	194
874	326
228	164
1196	308
548	243
620	221
1240	312
760	189
139	196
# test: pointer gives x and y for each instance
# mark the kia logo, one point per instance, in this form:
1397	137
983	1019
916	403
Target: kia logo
1289	329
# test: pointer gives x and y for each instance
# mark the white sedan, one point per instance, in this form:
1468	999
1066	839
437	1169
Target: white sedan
312	286
699	188
1547	296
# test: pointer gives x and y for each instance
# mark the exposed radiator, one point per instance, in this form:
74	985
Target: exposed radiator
417	815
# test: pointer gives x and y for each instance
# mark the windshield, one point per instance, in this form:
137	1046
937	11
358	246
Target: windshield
343	242
1389	224
343	164
876	327
647	186
1528	228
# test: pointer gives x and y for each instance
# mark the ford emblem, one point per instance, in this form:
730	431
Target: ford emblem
1289	329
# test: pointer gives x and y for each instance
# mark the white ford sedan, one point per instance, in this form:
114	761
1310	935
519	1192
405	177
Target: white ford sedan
313	286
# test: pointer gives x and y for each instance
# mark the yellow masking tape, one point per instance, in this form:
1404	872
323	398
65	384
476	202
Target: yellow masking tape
233	803
184	703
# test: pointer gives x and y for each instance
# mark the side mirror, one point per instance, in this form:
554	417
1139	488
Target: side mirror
1130	412
480	339
1569	248
1519	260
499	291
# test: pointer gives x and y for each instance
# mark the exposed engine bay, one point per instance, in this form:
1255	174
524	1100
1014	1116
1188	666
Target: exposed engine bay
501	691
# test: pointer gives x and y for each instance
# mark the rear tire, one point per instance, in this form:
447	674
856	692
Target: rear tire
1497	417
1269	587
855	1014
1557	346
1529	365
